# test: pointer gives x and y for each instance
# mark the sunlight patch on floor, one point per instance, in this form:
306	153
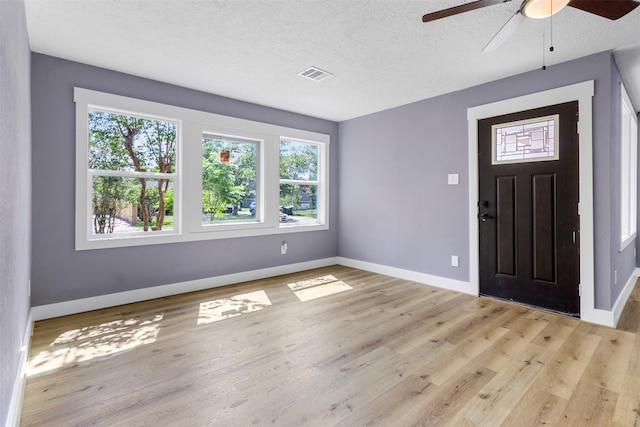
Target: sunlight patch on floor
225	308
102	329
82	345
318	287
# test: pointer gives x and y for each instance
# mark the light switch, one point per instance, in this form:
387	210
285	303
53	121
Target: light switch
453	179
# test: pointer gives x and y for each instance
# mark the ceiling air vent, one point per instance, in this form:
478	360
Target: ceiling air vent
315	74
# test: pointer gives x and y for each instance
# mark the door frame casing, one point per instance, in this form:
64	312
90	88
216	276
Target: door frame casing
583	93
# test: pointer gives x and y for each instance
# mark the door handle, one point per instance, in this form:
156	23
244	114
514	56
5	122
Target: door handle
484	216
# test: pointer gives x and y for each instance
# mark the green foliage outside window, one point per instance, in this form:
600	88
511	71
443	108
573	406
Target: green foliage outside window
298	162
228	175
126	144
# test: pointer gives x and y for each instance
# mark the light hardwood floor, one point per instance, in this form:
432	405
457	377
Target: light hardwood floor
382	351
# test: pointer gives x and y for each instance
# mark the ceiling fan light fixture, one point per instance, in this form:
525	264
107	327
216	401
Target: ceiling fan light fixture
539	9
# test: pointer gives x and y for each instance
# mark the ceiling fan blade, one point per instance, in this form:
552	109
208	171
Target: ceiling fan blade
505	32
610	9
460	9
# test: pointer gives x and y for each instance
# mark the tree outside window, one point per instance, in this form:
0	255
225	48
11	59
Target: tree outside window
298	181
229	179
132	161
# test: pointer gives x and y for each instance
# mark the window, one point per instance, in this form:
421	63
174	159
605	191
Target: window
229	178
298	182
149	173
531	140
628	169
132	169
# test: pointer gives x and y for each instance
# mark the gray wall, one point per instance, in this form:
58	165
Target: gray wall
623	262
15	201
394	166
59	273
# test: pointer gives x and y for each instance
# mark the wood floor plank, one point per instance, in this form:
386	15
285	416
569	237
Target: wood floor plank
609	364
562	374
386	352
589	405
507	388
449	364
630	317
537	408
628	408
522	330
441	407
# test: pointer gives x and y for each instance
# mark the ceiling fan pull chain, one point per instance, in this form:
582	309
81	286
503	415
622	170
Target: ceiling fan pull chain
551	25
544	63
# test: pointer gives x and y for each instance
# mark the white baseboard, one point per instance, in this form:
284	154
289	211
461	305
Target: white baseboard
428	279
611	318
15	407
602	317
621	302
110	300
597	316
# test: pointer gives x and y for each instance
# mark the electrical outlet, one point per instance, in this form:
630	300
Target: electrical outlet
283	248
454	260
29	287
453	179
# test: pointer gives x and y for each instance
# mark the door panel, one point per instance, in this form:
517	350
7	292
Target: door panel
506	227
543	235
528	219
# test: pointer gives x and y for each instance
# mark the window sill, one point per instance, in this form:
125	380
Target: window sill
168	237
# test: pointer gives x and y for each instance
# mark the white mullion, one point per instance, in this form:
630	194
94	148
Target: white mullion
298	182
271	191
191	200
322	205
133	174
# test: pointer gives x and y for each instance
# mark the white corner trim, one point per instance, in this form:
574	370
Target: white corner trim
611	318
621	302
110	300
15	406
599	316
414	276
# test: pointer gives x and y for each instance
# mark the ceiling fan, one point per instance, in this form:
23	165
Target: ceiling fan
537	9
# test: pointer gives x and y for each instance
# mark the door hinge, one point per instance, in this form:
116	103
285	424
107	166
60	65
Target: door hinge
579	289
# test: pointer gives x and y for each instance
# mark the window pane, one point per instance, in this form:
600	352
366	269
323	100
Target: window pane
128	143
628	170
229	180
298	204
126	205
528	140
298	161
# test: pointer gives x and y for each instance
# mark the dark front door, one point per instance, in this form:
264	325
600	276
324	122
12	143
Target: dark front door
528	208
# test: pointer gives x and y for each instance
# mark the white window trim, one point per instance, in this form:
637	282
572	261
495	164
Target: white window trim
187	184
628	166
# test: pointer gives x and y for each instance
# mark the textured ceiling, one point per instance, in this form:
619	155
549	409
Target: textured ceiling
380	52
